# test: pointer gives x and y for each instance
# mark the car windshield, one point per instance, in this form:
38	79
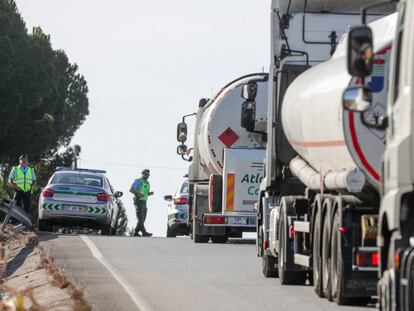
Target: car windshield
78	179
184	188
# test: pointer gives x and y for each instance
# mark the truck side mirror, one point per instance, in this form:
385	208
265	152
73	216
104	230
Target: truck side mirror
182	132
118	194
360	51
249	91
168	197
357	99
182	150
248	115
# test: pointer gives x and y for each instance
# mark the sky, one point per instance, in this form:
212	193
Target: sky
147	63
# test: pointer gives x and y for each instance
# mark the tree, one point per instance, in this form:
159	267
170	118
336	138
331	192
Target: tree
43	97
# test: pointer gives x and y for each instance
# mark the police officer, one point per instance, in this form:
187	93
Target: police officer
141	190
22	179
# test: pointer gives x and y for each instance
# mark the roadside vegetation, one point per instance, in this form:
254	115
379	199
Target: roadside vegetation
44	100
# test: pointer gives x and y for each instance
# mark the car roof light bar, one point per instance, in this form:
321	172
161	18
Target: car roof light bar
64	168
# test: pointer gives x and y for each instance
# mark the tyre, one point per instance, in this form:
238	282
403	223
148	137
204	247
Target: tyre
171	233
407	287
337	264
287	277
326	261
316	258
44	225
198	238
106	229
269	266
220	239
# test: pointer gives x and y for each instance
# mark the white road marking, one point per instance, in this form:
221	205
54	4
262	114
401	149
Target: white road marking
98	255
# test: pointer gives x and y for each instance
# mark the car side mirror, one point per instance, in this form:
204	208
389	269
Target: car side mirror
168	197
182	132
249	91
118	194
360	51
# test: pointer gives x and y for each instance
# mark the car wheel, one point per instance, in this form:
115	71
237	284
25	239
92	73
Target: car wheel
44	225
106	230
220	239
171	233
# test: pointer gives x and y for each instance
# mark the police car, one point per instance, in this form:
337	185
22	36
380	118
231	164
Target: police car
178	212
79	197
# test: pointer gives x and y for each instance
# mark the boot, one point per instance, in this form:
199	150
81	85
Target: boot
146	234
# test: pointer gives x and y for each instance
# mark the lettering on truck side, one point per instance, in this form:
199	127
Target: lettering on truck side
252	179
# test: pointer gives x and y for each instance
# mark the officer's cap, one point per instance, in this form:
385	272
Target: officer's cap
145	171
23	157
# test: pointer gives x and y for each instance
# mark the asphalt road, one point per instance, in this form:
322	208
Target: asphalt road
175	274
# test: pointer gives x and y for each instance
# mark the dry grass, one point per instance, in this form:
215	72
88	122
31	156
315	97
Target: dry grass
61	281
16	301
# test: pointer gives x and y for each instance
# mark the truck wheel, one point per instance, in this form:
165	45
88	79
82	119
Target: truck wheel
316	259
198	238
269	266
171	233
220	239
337	265
44	225
407	274
287	277
326	264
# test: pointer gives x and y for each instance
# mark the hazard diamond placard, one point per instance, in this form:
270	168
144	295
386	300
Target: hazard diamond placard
228	137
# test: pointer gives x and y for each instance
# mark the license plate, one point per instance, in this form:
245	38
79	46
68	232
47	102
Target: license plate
251	221
74	208
238	220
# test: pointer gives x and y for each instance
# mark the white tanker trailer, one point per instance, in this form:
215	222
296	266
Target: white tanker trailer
227	161
318	204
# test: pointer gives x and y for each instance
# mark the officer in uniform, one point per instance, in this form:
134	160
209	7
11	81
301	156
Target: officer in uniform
22	179
141	190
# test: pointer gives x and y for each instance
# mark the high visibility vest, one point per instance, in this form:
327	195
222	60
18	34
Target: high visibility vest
24	180
145	189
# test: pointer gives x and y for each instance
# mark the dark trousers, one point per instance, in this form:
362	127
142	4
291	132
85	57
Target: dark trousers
23	199
141	210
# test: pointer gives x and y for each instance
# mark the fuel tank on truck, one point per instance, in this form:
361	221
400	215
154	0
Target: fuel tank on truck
220	126
330	139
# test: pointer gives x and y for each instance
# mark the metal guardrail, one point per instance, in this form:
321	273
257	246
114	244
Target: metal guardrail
13	211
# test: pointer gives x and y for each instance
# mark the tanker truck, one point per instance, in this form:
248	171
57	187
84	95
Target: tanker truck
318	204
226	160
396	215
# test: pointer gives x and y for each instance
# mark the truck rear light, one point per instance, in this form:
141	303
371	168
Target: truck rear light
102	197
367	259
178	201
291	231
212	220
265	244
48	193
375	259
343	230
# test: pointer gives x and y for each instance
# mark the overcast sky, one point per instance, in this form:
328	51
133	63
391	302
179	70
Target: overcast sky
147	63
